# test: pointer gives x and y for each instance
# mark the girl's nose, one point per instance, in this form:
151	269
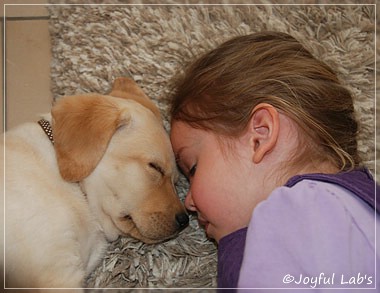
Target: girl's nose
189	203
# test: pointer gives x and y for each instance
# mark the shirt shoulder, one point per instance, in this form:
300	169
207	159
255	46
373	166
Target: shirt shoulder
309	228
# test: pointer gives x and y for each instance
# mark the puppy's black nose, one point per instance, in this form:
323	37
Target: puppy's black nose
182	220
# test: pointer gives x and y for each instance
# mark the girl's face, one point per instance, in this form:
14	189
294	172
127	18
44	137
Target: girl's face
221	182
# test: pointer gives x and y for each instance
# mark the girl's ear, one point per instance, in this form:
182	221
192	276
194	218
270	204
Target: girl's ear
264	128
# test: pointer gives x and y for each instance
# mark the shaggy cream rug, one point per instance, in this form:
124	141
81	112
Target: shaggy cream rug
92	45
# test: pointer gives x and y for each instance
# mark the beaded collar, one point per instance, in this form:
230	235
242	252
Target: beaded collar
45	125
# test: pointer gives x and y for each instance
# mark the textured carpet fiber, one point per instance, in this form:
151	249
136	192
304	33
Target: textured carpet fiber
92	45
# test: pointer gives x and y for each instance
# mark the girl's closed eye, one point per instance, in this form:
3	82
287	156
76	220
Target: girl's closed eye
192	170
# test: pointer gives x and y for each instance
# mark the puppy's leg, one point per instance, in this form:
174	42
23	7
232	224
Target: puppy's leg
54	276
97	252
42	261
48	290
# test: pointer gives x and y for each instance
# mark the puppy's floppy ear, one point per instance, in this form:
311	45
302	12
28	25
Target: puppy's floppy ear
127	88
82	128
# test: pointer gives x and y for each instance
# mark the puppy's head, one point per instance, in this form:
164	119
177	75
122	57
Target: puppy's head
116	147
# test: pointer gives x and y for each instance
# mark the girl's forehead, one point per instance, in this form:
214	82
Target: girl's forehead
183	135
182	130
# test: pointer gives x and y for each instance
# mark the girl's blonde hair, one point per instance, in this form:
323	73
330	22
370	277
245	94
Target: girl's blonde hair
221	88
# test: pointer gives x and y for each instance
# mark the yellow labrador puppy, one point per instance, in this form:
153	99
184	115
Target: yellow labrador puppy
104	169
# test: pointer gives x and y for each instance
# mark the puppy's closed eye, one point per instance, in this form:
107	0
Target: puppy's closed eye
157	168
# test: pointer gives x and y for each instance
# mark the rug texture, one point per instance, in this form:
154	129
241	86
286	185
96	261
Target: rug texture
92	45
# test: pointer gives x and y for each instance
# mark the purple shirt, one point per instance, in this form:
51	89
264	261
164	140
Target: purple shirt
230	256
316	231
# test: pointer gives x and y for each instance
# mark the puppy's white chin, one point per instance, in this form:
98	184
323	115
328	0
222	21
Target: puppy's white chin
111	232
112	236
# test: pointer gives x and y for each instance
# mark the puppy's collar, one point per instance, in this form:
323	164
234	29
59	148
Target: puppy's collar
45	125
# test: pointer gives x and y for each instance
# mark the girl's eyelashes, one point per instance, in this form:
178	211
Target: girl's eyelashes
192	170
